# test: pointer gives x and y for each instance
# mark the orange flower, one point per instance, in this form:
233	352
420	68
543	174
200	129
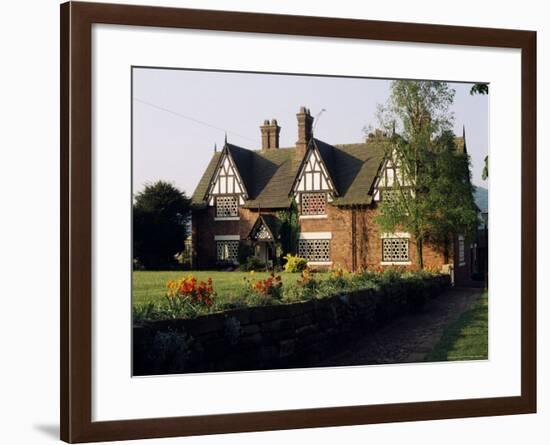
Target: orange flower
187	288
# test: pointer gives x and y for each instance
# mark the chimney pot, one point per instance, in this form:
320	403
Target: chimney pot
270	134
305	133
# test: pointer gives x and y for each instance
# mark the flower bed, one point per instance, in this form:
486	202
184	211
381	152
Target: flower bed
288	333
189	298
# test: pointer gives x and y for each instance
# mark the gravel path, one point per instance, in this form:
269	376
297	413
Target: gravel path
409	338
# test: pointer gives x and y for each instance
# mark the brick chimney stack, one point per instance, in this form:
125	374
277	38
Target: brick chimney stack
270	134
305	125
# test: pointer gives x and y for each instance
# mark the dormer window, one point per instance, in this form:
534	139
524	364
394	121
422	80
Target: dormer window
313	204
227	206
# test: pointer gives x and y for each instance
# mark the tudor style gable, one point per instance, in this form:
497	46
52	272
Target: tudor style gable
261	233
227	191
391	178
266	228
313	175
313	187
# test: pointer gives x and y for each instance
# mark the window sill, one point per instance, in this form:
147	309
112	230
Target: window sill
227	218
400	235
319	263
395	263
313	216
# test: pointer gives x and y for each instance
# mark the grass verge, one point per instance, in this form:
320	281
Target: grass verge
467	337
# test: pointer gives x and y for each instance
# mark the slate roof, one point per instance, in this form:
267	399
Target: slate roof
270	174
199	195
243	159
356	167
274	172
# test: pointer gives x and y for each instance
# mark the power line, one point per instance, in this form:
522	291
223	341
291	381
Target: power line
175	113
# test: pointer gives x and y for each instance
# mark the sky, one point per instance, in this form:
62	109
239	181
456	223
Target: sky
179	116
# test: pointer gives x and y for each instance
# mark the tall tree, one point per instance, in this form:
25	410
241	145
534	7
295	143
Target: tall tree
421	146
450	205
160	216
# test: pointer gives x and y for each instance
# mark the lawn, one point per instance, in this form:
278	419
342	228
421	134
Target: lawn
150	286
466	338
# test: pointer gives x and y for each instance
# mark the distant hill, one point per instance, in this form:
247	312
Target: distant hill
481	197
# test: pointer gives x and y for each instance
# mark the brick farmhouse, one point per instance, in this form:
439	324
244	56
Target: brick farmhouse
336	189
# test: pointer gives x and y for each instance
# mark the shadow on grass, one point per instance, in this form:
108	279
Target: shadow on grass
467	337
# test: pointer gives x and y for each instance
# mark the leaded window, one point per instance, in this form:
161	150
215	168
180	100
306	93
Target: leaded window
395	250
314	250
227	206
314	203
227	251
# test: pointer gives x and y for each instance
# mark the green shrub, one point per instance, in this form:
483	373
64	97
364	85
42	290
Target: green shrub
253	264
294	263
144	312
230	302
306	288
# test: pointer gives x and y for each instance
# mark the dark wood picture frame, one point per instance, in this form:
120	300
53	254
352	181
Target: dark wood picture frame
76	221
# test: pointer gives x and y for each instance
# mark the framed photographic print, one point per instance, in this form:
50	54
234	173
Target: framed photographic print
276	222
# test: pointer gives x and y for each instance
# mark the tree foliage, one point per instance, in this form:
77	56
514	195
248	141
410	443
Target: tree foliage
290	229
449	203
485	172
436	200
160	217
479	88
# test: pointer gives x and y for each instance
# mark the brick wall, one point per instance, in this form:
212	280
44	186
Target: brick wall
205	228
338	222
362	250
433	257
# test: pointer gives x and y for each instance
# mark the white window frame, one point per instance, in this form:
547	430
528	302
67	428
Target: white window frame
396	235
226	218
313	215
225	238
313	236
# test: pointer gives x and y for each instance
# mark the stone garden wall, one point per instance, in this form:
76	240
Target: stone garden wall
280	336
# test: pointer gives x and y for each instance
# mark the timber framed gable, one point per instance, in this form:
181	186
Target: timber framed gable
391	178
313	175
227	186
313	186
